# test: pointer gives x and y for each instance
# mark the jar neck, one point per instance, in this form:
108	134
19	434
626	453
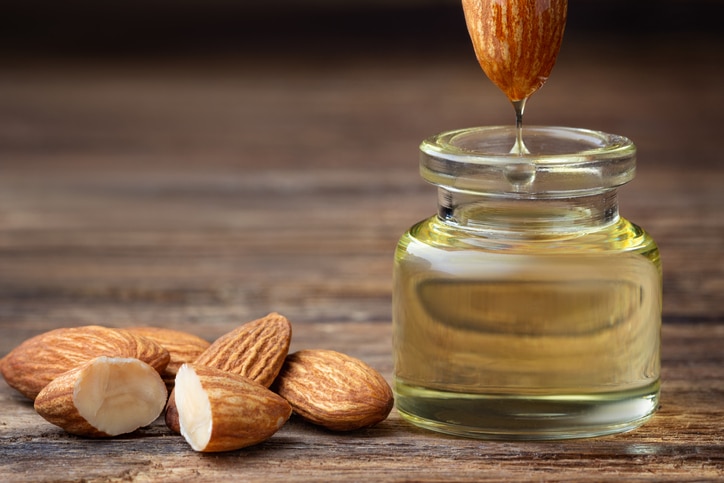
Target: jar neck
527	215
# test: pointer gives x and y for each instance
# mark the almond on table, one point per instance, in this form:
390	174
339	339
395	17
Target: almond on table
334	390
106	396
36	362
255	350
95	381
221	411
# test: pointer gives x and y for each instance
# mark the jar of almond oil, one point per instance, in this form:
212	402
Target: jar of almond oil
527	307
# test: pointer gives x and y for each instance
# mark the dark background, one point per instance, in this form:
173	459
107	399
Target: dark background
650	69
318	27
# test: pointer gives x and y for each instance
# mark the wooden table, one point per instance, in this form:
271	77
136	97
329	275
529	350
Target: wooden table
202	193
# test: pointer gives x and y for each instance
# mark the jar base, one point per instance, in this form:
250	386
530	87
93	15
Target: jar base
505	417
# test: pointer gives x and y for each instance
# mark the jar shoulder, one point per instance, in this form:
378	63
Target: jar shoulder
622	236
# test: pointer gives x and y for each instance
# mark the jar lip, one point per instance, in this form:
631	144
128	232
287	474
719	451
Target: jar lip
465	145
560	161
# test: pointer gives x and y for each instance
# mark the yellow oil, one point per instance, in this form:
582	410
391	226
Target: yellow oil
555	336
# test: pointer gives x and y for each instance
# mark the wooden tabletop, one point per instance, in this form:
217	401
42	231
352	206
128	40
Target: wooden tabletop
201	192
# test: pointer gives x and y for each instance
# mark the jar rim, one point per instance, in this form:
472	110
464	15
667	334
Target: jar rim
561	160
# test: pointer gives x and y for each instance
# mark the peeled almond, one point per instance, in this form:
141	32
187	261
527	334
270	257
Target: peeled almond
221	411
106	396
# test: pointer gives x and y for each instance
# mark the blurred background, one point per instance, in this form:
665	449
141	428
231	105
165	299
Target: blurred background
203	161
402	69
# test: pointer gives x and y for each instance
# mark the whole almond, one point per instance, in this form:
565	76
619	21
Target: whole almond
255	350
221	411
36	362
334	390
181	346
105	396
516	42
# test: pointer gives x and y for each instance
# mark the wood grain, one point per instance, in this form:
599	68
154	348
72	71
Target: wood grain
682	442
203	194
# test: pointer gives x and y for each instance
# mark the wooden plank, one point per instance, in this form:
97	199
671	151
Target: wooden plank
682	442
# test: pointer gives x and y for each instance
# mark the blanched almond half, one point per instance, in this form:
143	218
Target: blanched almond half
106	396
221	411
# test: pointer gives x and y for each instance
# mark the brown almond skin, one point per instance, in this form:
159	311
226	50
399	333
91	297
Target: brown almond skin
516	42
181	346
255	350
34	363
243	412
171	413
334	390
55	404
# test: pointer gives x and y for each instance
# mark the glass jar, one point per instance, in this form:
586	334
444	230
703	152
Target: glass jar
527	308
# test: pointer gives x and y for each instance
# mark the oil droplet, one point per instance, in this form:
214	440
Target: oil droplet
520	175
